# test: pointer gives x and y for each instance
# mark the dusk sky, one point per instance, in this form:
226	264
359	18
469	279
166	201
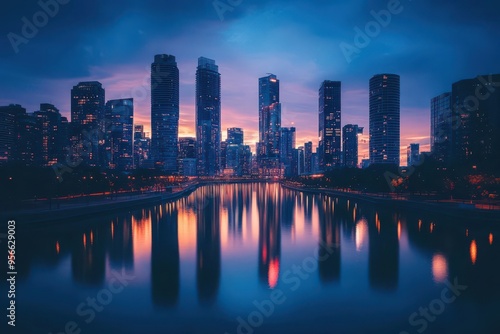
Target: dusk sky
430	44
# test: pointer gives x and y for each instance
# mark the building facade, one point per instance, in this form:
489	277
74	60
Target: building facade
329	125
350	134
476	139
442	123
120	134
164	112
413	155
269	125
208	117
385	119
88	123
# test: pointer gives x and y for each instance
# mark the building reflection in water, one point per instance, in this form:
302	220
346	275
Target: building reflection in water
165	263
88	256
236	200
361	234
268	201
329	240
208	243
121	243
288	200
439	268
383	252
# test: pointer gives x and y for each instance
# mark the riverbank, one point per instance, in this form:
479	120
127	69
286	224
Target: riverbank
449	209
81	208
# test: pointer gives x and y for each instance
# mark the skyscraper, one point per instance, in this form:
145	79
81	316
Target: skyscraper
287	147
20	136
53	132
329	124
164	112
350	134
87	120
385	119
8	129
413	154
187	156
476	104
269	124
308	151
442	128
235	136
142	148
208	117
119	136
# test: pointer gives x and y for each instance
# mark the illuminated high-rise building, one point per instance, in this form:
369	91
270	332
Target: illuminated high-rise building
329	125
208	117
87	121
476	108
269	125
442	128
350	134
385	119
164	112
119	136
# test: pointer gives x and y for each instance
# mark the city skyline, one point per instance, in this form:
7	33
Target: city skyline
121	65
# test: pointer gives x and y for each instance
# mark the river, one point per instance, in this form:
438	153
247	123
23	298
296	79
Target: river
258	258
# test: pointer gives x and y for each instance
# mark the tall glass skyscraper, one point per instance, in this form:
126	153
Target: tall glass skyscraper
441	128
208	117
164	112
329	124
53	128
119	135
269	122
287	147
476	104
385	119
87	121
350	134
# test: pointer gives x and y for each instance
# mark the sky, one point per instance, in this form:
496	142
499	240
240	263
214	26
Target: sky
430	44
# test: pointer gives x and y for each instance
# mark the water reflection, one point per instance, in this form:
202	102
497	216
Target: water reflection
208	246
383	252
121	249
268	199
183	246
439	268
329	268
88	257
165	264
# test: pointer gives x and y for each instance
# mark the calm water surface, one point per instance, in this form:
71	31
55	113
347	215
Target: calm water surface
258	258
